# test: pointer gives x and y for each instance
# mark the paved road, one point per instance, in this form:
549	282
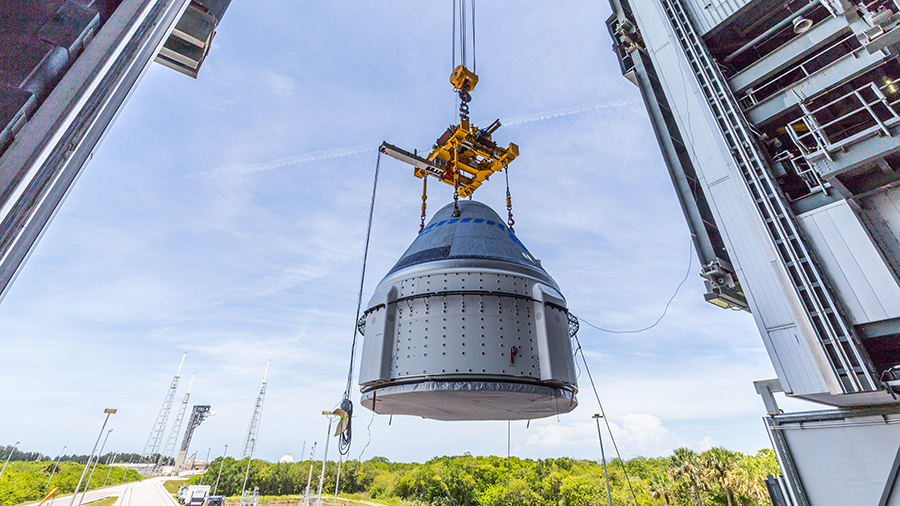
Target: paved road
148	492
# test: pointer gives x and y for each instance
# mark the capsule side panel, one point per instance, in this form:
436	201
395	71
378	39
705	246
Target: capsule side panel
378	343
552	334
457	334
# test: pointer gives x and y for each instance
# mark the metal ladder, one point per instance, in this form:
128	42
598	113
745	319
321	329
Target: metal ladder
836	336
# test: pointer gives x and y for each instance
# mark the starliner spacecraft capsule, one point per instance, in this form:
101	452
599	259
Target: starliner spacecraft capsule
467	325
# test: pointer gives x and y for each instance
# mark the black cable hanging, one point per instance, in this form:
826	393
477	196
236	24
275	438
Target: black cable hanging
346	403
665	309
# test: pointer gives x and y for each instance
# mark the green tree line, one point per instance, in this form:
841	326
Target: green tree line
27	481
687	478
19	456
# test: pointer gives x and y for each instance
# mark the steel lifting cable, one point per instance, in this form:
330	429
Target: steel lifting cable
453	37
510	221
346	403
462	34
474	67
603	414
462	31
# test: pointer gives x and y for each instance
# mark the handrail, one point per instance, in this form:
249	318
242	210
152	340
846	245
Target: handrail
809	175
753	94
825	145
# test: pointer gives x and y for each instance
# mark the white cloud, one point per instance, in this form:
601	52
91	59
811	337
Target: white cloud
280	85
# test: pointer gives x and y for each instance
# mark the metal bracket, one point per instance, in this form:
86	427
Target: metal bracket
766	389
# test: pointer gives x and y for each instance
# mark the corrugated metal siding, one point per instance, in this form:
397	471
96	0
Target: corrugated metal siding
859	274
793	346
707	14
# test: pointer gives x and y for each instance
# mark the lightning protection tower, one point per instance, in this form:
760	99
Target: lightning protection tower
169	450
162	419
198	414
253	429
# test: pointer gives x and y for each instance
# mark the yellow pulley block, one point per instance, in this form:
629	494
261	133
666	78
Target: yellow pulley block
463	79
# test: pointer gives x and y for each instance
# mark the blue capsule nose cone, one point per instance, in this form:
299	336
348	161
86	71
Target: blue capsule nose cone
478	233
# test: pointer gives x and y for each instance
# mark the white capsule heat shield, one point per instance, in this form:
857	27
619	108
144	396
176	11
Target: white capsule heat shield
467	325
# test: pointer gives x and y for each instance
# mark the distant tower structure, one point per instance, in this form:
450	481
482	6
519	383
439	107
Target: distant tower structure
198	414
169	450
253	429
162	419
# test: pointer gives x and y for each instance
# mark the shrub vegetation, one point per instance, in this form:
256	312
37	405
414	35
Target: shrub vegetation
687	478
27	481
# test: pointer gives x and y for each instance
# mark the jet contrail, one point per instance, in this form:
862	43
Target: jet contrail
289	160
336	153
540	116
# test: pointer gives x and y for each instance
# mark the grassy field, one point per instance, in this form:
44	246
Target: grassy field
109	501
173	485
27	481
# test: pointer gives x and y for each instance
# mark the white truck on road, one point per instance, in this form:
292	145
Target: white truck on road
193	495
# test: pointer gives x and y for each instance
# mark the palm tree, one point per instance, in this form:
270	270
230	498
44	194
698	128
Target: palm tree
748	478
661	486
719	465
685	466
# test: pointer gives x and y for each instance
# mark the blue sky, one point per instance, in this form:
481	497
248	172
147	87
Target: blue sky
225	218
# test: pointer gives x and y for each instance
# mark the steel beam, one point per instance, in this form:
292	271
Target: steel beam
40	166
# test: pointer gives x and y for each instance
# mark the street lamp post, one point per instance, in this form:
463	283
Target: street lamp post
207	465
597	417
9	457
55	465
109	468
312	457
324	458
125	470
96	463
108	411
220	470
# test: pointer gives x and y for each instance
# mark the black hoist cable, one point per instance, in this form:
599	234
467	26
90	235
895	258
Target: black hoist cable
346	403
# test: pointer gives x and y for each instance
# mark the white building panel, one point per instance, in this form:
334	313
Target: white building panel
856	465
888	205
794	348
857	271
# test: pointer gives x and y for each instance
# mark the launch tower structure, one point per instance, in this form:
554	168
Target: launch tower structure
172	440
253	429
779	123
199	413
162	418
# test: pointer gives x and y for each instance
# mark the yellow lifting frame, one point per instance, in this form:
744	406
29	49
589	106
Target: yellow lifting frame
475	153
